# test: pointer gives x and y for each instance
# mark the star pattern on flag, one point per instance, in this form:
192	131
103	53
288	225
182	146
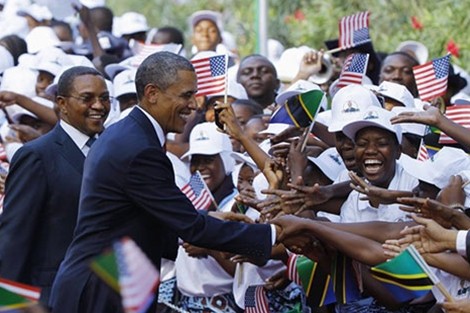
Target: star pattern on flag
217	65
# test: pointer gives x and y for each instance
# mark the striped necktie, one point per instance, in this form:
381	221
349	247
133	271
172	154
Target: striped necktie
90	142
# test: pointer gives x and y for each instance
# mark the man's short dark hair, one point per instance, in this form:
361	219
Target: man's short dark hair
161	69
102	18
66	80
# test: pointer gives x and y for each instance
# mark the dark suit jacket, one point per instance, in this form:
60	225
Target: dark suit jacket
40	209
128	189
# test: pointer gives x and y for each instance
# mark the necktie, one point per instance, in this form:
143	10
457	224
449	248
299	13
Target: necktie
90	141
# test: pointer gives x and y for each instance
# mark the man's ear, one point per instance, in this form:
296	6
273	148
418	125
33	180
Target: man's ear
61	104
151	93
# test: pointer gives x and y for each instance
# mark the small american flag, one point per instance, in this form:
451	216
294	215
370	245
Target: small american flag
423	153
211	74
138	278
197	191
353	70
256	300
431	78
353	30
459	114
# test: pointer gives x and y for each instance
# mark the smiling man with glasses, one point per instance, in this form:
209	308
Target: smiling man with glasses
43	186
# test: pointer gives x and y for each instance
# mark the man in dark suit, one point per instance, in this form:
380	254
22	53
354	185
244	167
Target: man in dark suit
43	186
128	190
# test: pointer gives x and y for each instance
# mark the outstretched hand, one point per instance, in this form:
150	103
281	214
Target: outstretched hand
428	236
430	116
428	208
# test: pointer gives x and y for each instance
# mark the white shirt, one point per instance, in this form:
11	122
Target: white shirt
355	210
79	138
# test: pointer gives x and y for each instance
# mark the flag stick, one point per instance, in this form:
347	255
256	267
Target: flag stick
334	50
305	139
207	188
174	307
444	292
226	87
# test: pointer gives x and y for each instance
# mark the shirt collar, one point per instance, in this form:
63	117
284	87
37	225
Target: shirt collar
77	136
156	126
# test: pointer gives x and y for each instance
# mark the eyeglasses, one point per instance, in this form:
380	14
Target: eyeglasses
89	99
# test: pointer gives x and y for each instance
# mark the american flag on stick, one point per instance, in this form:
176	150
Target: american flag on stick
211	74
256	300
138	277
197	191
431	78
353	30
354	69
459	114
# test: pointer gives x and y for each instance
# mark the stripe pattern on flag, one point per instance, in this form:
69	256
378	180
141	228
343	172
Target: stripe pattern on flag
142	51
197	192
256	300
354	69
354	30
459	114
138	278
211	74
29	292
431	78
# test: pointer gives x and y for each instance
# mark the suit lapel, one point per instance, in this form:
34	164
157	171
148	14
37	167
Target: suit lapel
145	123
68	149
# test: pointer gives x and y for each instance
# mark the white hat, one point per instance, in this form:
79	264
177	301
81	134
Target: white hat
207	140
20	111
396	92
416	49
213	16
51	60
373	116
19	79
51	90
297	88
275	128
131	23
235	90
410	128
348	105
124	83
41	37
245	159
6	59
329	162
38	12
366	82
275	50
288	64
438	169
93	3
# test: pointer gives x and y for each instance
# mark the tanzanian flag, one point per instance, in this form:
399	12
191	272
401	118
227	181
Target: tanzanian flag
105	266
344	280
404	276
315	281
300	110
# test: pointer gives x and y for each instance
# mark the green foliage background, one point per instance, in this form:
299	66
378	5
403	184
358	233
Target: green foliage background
310	22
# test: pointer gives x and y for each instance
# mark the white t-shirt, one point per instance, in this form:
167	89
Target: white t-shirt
355	210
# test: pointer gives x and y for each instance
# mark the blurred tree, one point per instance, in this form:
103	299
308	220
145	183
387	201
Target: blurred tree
437	24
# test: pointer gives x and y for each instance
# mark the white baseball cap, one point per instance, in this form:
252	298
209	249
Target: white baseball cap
6	59
410	128
438	169
418	50
234	89
288	63
349	104
52	60
131	23
38	12
213	16
297	88
373	116
207	140
275	128
41	37
124	83
396	92
329	162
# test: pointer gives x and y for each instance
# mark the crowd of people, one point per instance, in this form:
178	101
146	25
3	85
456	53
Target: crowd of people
102	129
